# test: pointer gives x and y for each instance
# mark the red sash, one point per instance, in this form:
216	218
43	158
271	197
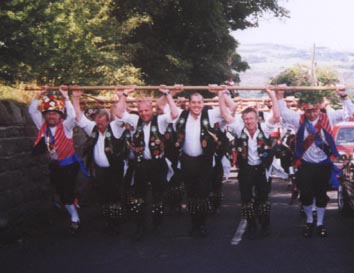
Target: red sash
64	146
322	123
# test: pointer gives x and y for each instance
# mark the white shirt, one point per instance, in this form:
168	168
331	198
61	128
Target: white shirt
68	123
99	154
192	145
314	154
237	126
162	122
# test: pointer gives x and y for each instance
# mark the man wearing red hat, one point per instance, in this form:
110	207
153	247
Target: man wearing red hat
314	146
55	138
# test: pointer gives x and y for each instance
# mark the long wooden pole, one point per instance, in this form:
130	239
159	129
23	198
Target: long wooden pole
187	88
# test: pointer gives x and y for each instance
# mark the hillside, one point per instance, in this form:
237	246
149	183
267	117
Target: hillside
267	60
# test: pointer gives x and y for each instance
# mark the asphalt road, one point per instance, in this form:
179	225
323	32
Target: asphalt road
48	248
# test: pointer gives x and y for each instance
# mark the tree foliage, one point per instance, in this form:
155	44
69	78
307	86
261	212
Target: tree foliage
189	41
64	41
299	75
125	41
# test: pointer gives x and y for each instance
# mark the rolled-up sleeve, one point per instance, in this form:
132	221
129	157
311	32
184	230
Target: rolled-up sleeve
35	114
86	124
289	116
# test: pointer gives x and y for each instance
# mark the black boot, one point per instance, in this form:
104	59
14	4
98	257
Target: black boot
251	231
157	214
195	226
202	226
264	219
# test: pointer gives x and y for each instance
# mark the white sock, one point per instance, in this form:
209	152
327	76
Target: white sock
314	204
73	213
320	215
308	212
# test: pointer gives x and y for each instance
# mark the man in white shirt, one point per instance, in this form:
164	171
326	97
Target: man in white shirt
148	148
55	138
106	149
254	157
197	141
314	147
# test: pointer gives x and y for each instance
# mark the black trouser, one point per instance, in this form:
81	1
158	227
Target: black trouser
253	177
109	183
153	171
64	180
197	173
254	189
313	180
216	184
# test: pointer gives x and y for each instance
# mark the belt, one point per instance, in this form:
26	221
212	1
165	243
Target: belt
72	159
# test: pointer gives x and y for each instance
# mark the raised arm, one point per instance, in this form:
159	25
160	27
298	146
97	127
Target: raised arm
121	105
168	96
35	114
69	122
224	102
223	108
288	116
76	104
348	107
275	118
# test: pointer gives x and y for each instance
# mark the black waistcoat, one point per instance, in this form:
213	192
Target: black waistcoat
264	149
116	149
208	138
156	141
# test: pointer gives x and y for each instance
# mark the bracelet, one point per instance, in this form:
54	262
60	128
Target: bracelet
125	95
167	93
343	96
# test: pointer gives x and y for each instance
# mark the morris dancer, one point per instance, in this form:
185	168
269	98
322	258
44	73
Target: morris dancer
254	158
106	150
197	142
55	137
150	163
314	147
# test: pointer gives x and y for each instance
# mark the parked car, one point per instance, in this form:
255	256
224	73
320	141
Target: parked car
343	134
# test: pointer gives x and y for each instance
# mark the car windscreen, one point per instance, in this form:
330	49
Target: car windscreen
345	136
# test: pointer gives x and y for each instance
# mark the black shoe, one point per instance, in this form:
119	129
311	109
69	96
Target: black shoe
203	231
321	231
307	230
251	231
194	231
139	233
265	231
314	216
112	227
74	227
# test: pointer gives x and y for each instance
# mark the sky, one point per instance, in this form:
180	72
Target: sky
328	23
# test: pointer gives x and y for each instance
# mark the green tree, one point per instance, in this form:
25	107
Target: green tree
189	41
65	41
299	75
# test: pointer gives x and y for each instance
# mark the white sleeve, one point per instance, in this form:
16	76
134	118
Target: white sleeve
163	121
289	116
69	122
214	116
35	114
267	128
237	125
117	127
336	116
86	124
132	119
